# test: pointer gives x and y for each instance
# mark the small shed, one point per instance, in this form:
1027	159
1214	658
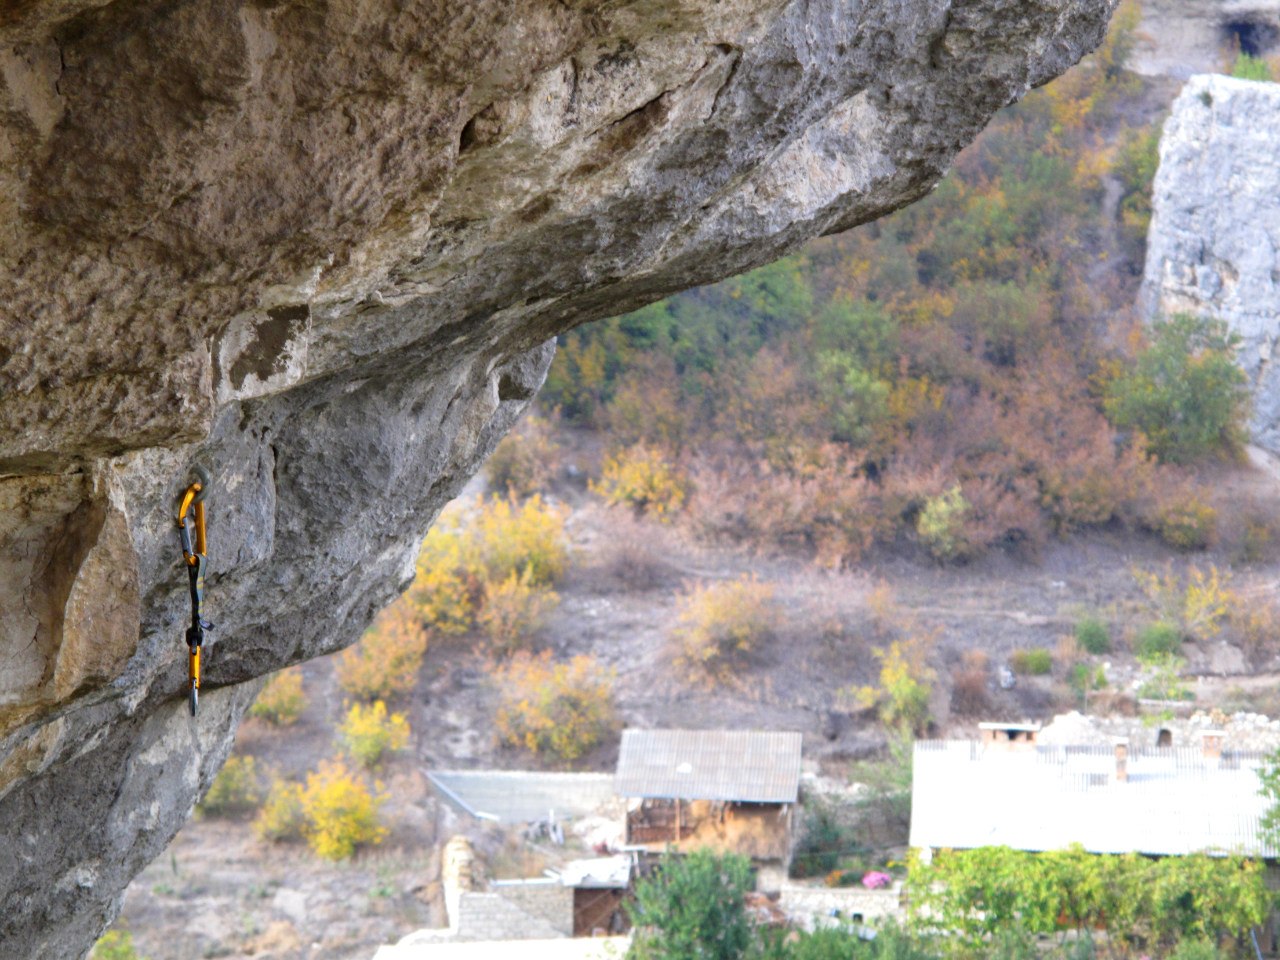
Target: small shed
730	790
601	888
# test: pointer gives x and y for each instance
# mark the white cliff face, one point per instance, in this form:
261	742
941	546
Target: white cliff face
1178	38
1214	244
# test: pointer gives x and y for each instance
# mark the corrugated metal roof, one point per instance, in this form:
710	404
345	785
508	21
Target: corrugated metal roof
734	765
516	796
1175	801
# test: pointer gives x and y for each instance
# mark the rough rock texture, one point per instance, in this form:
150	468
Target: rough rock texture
1179	38
1214	244
322	247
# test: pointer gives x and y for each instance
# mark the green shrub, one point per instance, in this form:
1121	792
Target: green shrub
115	945
693	907
1248	67
829	836
1093	636
976	895
1196	950
1084	679
235	790
1165	679
1156	640
1035	662
1184	392
281	701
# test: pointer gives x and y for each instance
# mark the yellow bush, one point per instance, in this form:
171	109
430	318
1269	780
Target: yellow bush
1187	523
281	701
514	610
563	709
721	622
369	732
511	538
643	478
281	816
340	812
386	660
941	525
441	594
115	945
906	683
234	790
1198	603
460	562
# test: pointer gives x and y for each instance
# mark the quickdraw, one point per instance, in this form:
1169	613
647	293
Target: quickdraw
191	519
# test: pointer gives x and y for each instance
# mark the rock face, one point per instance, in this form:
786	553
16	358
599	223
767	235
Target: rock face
1214	244
1179	38
322	249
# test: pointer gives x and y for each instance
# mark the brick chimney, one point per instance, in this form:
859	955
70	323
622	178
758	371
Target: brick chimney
1211	743
1122	759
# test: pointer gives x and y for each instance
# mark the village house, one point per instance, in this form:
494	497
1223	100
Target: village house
733	791
1010	789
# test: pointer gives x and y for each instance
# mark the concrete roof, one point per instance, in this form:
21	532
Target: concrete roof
1175	800
732	765
567	948
516	796
598	872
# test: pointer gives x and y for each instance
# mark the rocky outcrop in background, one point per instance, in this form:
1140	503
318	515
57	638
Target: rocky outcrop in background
1179	38
1214	244
322	248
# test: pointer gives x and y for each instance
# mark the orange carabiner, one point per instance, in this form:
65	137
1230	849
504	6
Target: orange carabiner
194	549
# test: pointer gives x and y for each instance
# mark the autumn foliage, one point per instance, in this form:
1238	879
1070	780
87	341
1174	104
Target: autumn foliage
721	623
558	709
959	377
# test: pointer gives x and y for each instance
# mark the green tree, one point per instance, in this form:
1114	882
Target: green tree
694	908
981	894
1269	787
1185	392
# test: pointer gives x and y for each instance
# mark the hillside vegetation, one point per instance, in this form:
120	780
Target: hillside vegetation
963	375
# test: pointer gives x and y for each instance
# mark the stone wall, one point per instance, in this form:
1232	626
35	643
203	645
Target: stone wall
818	906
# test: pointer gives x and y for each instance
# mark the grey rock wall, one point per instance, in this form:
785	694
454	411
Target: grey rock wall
322	248
1214	244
